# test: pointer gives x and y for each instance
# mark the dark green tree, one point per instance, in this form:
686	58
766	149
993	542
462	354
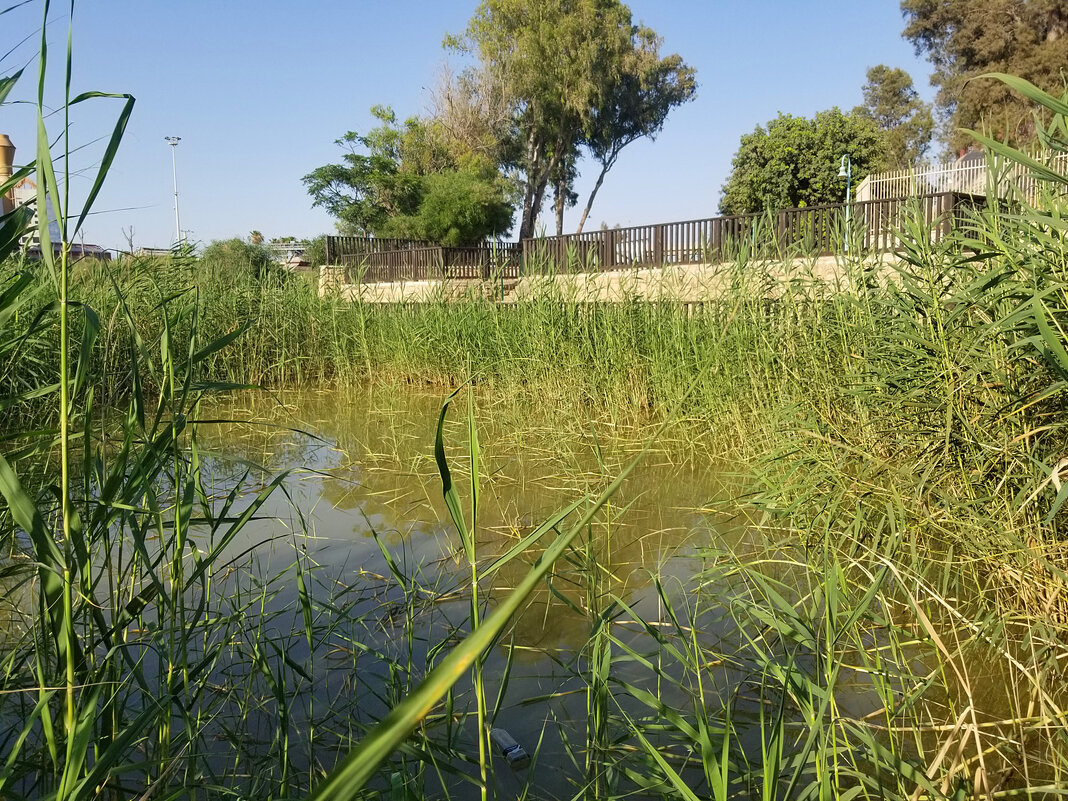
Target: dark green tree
457	207
906	121
406	180
966	38
795	160
371	185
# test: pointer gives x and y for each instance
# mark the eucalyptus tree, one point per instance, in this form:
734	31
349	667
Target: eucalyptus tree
967	38
554	60
637	104
574	73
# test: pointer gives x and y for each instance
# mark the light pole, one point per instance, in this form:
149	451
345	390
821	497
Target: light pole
845	170
173	142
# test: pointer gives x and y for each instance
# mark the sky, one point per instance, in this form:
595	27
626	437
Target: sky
260	91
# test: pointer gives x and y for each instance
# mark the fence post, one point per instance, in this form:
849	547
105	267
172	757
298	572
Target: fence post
658	245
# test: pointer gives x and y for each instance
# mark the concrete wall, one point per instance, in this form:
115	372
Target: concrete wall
332	280
691	283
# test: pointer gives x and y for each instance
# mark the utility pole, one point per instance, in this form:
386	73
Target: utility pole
173	142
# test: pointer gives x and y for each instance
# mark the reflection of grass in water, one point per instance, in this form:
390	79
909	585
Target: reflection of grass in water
397	490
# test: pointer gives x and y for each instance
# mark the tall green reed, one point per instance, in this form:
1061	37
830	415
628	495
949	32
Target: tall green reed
916	406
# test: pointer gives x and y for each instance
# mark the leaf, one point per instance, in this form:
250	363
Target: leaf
1018	156
354	771
49	558
681	787
7	84
219	344
1028	90
109	152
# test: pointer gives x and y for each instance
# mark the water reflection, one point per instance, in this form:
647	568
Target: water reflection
363	466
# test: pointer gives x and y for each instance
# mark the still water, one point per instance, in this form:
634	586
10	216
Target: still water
359	519
363	513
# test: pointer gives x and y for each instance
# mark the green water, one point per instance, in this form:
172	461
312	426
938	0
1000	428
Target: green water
363	480
358	521
363	464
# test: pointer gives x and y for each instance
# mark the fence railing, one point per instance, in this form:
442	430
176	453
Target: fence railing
812	231
983	176
865	226
338	247
435	262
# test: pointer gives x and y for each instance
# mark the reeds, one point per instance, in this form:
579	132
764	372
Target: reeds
902	433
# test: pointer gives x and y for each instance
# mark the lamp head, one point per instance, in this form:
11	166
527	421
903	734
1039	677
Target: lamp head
843	172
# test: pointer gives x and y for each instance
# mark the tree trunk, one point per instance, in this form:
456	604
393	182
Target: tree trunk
560	200
593	194
539	198
531	205
536	195
526	224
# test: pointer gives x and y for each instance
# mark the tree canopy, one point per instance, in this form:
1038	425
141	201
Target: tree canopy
637	104
907	123
407	181
966	38
795	161
571	71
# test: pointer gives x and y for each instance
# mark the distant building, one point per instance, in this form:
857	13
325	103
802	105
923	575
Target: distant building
24	193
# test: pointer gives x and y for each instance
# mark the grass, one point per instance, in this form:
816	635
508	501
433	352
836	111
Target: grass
902	434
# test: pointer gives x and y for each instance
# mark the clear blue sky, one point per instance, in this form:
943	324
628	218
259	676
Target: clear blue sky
259	91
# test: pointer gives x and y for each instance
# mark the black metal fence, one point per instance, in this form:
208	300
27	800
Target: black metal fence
338	247
812	231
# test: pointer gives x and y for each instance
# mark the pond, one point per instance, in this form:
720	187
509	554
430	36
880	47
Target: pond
362	511
677	617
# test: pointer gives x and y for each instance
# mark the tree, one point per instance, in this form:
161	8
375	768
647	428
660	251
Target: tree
552	59
458	207
369	187
966	38
475	116
637	104
906	121
558	63
407	181
794	161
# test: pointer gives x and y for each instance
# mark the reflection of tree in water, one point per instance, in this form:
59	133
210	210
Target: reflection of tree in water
378	471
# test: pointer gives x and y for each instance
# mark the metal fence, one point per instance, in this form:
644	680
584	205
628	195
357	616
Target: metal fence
435	262
338	247
814	230
983	176
866	226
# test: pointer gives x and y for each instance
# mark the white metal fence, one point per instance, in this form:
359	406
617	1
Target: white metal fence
984	176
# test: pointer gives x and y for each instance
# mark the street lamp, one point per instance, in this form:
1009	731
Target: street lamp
845	170
173	142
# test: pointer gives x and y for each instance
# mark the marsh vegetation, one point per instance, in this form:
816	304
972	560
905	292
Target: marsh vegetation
805	541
